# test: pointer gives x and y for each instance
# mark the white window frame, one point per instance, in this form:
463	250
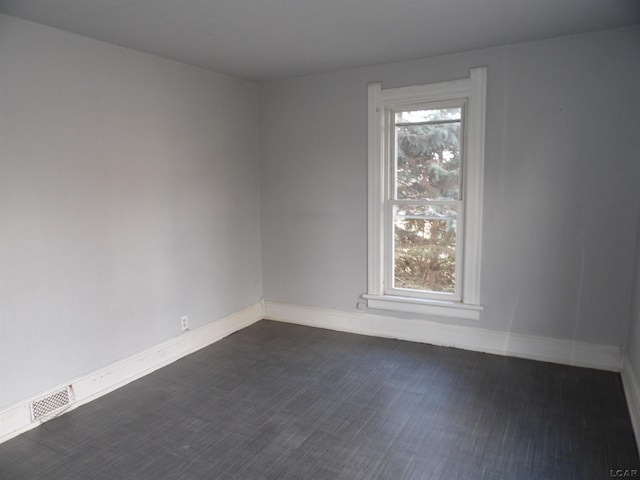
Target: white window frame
466	302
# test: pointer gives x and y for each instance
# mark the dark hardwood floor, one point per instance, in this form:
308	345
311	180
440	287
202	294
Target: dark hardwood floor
279	401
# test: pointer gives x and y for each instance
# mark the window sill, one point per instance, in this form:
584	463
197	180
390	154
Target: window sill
424	306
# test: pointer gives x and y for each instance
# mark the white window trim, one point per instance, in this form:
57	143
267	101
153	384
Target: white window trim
473	89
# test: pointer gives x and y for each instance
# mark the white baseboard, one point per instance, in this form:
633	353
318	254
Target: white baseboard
568	352
16	419
632	392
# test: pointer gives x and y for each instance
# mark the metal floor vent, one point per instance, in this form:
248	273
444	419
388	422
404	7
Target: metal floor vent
50	404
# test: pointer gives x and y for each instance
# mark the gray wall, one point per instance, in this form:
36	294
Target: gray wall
633	338
128	197
561	185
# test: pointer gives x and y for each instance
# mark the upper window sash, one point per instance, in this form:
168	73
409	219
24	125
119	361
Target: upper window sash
391	157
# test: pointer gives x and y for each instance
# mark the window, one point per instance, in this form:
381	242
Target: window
426	163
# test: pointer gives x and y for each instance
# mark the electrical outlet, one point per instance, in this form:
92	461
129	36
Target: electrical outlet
184	323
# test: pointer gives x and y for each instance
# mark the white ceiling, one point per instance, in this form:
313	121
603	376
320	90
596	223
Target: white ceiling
269	39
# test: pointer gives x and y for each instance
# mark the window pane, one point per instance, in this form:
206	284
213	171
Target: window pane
428	154
425	248
418	116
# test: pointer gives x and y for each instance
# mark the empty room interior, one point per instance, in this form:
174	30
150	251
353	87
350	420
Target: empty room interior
295	239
